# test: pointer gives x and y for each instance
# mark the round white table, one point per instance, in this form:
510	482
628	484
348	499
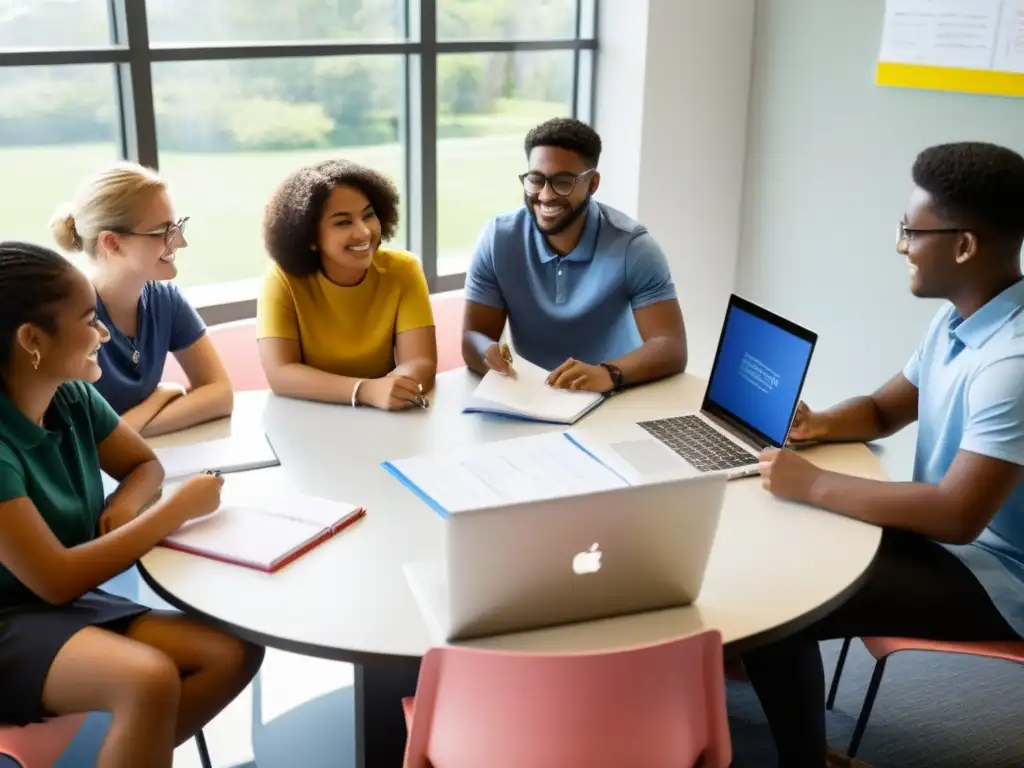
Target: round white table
775	566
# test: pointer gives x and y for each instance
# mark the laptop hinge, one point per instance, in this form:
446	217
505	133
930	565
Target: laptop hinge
737	430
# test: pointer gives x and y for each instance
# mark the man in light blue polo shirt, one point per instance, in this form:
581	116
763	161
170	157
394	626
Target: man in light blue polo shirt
951	562
586	290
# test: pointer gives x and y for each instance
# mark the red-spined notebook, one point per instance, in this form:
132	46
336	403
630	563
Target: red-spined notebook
264	535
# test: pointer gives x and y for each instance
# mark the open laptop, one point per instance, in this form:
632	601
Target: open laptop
751	398
570	559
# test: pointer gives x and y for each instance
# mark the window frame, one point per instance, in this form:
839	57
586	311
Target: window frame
133	57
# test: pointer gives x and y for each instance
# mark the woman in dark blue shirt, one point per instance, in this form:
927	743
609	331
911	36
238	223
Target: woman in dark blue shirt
124	220
66	646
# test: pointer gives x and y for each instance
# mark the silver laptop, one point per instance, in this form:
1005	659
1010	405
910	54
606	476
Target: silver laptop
570	559
751	398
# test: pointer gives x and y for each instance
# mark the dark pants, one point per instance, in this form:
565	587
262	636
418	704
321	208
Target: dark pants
916	589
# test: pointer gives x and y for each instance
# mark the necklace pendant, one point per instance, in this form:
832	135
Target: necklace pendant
135	357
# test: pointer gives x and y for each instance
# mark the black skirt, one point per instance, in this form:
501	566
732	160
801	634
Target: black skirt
32	634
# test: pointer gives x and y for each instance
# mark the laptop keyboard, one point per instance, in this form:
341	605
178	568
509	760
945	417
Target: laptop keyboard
703	447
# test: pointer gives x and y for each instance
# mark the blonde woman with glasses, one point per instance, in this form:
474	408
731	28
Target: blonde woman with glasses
124	219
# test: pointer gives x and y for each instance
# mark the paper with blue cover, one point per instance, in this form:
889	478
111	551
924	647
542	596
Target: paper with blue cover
505	472
527	396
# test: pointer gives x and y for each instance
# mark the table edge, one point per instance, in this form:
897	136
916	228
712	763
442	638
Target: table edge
333	653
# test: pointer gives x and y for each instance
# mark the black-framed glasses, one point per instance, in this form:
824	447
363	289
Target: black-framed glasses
906	234
170	234
562	184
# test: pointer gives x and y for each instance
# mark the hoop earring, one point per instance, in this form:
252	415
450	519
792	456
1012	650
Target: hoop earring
37	358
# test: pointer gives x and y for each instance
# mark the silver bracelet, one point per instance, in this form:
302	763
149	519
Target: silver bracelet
355	391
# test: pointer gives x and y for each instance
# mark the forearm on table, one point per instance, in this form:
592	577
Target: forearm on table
202	404
917	507
97	561
138	417
657	358
139	489
307	383
857	420
474	345
421	370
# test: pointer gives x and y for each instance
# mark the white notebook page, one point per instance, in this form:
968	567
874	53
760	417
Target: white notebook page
529	394
228	454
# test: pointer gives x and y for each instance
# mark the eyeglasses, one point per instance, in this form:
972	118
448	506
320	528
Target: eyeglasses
906	234
562	184
172	232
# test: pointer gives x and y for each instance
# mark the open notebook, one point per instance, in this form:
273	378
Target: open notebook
237	453
264	535
527	396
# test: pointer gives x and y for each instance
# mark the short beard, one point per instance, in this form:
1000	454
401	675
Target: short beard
563	224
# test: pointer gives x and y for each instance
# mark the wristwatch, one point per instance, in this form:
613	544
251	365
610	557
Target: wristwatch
618	381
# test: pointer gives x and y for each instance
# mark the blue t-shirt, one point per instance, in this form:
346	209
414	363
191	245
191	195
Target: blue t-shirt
132	368
579	305
970	377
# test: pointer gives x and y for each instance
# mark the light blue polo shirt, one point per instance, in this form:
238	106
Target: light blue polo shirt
970	377
167	323
580	305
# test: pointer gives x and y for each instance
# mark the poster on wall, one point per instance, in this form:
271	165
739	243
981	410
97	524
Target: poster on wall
970	46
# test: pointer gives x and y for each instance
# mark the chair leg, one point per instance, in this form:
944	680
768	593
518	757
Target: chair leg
834	688
865	711
204	753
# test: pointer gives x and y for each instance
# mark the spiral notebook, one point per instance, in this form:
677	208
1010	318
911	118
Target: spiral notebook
265	535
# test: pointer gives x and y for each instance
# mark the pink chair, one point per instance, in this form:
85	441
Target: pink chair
884	647
657	706
39	745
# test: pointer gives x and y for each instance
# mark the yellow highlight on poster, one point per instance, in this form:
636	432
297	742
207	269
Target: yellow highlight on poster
951	79
969	46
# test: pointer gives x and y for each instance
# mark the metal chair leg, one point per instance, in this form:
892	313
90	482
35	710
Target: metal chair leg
204	753
865	711
834	688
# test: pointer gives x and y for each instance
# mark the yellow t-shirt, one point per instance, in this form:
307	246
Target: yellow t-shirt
347	330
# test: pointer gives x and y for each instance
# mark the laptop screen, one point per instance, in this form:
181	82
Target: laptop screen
759	370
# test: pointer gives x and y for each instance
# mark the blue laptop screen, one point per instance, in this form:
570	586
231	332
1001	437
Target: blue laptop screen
759	372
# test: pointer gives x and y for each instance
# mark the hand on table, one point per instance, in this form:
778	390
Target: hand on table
391	393
786	474
572	374
196	497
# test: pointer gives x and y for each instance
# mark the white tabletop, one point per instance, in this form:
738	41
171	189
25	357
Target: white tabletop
774	567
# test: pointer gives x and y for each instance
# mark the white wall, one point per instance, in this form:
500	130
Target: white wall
673	79
827	179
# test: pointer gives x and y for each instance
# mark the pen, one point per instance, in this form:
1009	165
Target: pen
506	354
214	472
421	401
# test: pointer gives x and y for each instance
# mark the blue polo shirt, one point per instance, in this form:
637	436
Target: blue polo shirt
580	305
970	377
167	323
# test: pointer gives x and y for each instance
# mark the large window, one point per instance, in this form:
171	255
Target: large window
228	97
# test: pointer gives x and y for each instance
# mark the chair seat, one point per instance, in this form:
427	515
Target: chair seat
881	647
40	745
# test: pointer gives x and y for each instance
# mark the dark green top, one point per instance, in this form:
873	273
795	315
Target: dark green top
57	466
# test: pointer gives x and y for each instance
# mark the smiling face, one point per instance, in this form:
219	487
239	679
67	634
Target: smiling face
71	351
349	231
933	257
554	213
148	251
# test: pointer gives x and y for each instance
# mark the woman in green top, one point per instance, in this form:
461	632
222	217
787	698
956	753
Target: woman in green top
66	646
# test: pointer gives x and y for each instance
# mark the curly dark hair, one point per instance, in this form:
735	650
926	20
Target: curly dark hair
291	220
976	184
33	281
566	133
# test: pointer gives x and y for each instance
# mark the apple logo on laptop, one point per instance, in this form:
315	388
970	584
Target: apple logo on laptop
589	561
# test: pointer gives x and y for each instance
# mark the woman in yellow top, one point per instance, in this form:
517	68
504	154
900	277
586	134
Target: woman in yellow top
340	319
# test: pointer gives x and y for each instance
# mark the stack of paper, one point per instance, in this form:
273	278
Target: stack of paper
266	535
231	454
527	396
506	472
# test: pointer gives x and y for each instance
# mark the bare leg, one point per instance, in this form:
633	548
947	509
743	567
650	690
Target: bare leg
215	667
139	686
